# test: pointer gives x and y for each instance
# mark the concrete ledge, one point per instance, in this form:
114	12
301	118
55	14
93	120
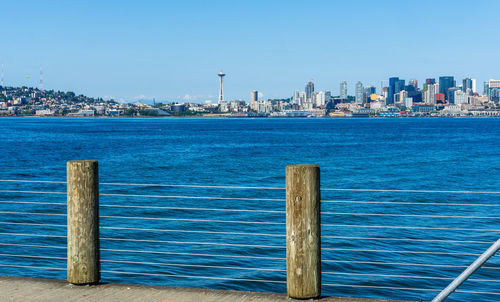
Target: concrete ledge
40	290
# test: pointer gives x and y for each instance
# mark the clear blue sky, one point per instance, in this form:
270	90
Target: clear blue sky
174	49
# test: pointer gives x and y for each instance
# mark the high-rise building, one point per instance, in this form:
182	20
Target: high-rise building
430	81
359	93
430	94
302	98
413	83
400	85
343	90
368	92
254	96
321	98
395	86
446	83
295	97
391	90
309	91
494	90
384	92
461	97
451	94
466	84
254	100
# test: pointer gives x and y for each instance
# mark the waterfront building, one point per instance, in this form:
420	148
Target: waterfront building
343	90
423	108
237	105
359	93
445	83
478	100
408	102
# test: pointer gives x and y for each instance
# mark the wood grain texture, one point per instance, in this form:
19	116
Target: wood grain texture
83	222
303	231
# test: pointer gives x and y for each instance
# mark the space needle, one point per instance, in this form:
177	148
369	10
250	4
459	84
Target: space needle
221	91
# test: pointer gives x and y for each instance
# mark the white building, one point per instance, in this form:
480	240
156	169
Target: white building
408	102
359	93
430	94
302	98
461	97
343	90
320	99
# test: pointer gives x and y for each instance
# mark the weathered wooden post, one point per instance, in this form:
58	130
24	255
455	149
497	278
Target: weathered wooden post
83	222
303	231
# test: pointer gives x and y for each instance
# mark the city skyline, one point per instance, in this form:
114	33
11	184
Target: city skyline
171	50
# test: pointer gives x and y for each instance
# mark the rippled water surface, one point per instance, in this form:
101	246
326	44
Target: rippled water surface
217	243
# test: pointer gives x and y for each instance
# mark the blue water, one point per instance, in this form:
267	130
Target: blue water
413	153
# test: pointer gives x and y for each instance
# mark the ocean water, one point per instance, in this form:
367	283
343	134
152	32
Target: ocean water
238	242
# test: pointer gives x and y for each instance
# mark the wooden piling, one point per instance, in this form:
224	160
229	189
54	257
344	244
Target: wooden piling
303	231
83	222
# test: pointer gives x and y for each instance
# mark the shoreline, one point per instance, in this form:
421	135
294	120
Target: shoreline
244	117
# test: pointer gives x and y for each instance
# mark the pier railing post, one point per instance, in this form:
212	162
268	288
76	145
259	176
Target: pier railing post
303	231
83	222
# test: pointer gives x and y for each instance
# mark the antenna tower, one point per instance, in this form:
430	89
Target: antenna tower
2	83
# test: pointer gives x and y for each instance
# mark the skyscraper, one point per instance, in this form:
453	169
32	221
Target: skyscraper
430	94
450	95
343	90
391	90
413	83
254	100
359	93
446	83
466	84
254	96
400	85
309	91
494	90
368	92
